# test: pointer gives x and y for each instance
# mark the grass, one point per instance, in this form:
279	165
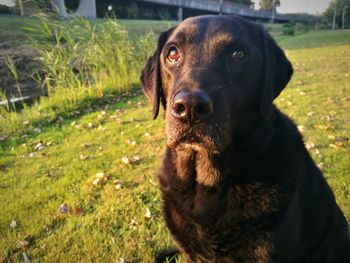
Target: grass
315	39
54	152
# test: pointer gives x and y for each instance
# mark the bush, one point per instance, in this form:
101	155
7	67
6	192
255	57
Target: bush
288	30
4	9
82	56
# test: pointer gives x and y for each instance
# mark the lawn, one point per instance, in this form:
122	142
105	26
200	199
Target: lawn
77	183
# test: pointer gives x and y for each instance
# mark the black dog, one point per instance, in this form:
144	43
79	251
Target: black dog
237	183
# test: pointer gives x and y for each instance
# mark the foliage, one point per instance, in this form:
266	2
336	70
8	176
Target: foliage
301	27
80	55
4	9
340	5
43	3
268	4
288	29
242	2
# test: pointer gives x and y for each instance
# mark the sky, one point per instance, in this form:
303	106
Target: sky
6	2
300	6
287	6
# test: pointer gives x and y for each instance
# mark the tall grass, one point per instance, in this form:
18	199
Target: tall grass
81	54
81	60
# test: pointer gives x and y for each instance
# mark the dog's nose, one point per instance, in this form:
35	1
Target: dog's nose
192	107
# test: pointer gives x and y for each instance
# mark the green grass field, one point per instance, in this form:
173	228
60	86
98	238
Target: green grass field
77	183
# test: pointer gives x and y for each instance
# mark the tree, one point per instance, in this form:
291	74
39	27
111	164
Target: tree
268	4
342	7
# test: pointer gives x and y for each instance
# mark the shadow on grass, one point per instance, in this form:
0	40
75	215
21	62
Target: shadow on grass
62	117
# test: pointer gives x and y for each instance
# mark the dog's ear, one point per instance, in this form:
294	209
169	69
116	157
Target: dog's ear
276	74
151	82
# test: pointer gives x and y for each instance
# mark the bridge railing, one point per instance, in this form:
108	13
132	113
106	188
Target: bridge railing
227	8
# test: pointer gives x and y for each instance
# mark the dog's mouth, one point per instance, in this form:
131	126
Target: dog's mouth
214	137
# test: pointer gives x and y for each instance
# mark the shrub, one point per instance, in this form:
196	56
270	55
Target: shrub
288	30
4	9
78	54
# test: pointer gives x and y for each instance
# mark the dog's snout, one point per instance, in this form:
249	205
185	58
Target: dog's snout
192	107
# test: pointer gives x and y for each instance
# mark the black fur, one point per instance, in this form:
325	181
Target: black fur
239	186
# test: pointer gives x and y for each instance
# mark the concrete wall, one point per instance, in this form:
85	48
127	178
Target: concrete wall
86	8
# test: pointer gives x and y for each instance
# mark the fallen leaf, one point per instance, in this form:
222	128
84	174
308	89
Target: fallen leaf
148	213
26	258
339	144
3	138
309	145
14	224
40	146
123	260
301	128
37	130
78	127
96	181
135	159
126	160
84	157
63	208
86	145
130	142
133	222
101	128
317	152
113	117
57	119
77	211
102	176
320	165
118	184
31	155
24	244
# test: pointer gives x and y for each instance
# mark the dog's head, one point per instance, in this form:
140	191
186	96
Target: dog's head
215	76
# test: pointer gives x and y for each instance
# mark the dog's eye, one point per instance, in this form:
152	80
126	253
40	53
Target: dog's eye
238	55
173	55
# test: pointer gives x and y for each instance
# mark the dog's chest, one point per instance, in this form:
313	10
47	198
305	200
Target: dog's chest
230	220
232	225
